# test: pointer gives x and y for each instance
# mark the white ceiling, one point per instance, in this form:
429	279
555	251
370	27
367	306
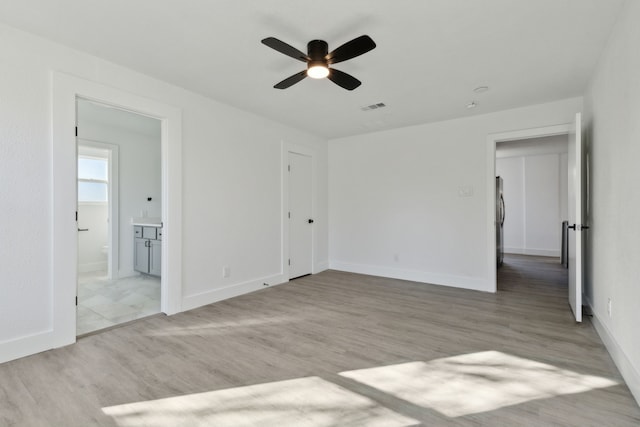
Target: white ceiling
431	54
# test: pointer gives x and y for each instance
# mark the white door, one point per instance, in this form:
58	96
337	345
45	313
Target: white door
576	189
300	215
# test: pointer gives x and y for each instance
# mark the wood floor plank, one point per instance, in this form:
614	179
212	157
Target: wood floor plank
325	326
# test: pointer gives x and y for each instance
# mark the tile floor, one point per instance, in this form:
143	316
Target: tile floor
103	303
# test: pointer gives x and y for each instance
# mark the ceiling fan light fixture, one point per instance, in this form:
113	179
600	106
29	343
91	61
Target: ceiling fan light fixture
317	70
318	58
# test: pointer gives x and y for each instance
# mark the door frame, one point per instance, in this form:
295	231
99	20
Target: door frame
306	151
113	156
65	90
492	140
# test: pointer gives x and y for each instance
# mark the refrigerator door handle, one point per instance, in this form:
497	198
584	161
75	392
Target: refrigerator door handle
503	209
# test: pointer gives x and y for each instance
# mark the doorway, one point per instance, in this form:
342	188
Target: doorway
534	173
66	89
492	142
96	195
119	183
576	197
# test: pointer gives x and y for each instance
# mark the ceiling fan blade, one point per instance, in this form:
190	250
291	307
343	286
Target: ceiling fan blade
351	49
343	79
282	47
290	81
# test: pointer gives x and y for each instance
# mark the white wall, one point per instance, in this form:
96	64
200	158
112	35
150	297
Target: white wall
535	193
139	177
394	203
613	133
232	198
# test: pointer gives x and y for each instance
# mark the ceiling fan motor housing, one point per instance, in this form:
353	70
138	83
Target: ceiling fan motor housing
317	50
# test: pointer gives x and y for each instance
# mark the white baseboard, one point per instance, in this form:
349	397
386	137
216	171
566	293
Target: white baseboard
536	252
321	266
26	346
92	266
414	275
517	251
629	372
128	273
198	300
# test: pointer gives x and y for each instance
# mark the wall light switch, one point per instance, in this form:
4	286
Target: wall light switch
226	272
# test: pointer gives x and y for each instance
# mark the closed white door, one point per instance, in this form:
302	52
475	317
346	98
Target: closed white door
300	215
576	191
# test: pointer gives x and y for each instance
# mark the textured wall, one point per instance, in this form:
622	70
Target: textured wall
613	135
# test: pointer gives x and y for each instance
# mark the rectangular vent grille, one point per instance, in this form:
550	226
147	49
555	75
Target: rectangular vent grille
373	106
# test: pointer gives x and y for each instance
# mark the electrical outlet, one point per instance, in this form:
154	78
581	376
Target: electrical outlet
609	307
226	272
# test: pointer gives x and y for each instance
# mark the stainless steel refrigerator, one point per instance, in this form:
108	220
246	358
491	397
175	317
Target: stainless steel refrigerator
500	214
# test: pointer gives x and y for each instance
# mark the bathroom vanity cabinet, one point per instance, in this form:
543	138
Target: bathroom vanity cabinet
147	251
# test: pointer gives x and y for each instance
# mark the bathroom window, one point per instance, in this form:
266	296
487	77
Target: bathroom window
93	180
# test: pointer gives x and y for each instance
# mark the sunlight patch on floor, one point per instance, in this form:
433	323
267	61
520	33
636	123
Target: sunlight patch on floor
303	402
222	327
474	383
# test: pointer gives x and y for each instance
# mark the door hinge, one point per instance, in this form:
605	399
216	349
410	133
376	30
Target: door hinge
76	300
76	216
289	215
289	168
289	261
76	130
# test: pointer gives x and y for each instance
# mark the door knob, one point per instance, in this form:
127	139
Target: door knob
578	227
310	221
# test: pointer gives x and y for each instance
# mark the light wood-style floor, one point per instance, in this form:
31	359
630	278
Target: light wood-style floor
337	349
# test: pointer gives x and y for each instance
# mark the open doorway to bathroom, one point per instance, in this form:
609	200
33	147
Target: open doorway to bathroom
119	183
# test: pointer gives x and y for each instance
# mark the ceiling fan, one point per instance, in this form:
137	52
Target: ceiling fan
318	59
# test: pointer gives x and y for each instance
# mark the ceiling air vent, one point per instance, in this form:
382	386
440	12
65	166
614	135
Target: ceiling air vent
373	106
